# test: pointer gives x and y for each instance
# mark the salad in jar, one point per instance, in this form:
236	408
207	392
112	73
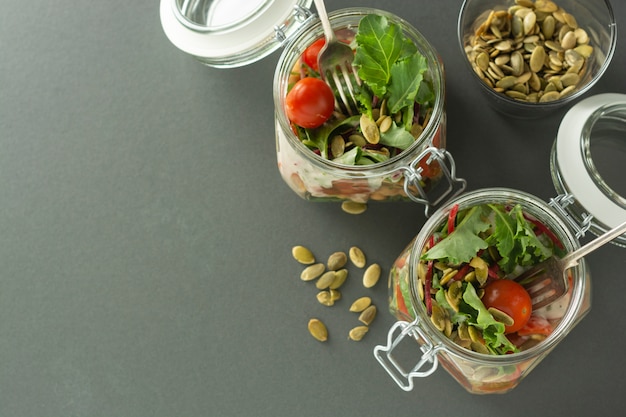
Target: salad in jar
399	112
465	280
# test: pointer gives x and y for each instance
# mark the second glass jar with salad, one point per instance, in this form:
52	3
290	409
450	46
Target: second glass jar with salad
456	288
400	91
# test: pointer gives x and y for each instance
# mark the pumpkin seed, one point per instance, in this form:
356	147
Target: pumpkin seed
340	277
318	330
439	317
569	41
303	255
454	294
360	304
336	260
337	146
312	272
352	207
368	315
371	275
357	140
547	27
537	59
324	298
358	333
357	257
369	129
549	96
335	295
385	124
325	280
501	316
529	22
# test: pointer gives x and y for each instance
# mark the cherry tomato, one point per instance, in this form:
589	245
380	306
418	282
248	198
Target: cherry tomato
310	103
511	298
309	56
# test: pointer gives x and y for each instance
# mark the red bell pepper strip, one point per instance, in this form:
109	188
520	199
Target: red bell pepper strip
452	218
427	286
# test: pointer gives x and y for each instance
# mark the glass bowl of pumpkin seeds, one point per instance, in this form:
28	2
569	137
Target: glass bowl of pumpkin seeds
533	56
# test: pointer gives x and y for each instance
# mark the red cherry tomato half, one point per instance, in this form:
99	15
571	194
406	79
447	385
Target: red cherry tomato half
309	56
310	103
511	298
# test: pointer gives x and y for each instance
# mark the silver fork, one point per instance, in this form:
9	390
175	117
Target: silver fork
336	58
545	282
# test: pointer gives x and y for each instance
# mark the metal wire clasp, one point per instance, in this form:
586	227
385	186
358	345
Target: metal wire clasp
301	14
452	185
563	200
428	359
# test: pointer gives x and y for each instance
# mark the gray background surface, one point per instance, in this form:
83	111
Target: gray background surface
145	235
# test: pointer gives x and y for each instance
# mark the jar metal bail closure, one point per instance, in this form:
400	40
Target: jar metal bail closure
413	177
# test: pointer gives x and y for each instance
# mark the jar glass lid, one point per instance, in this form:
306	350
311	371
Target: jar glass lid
591	153
231	33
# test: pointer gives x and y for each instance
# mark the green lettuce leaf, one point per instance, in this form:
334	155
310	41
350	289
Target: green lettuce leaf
380	44
462	244
397	137
406	79
516	240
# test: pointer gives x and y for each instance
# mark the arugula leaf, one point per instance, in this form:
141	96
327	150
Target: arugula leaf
380	44
516	240
397	137
462	244
406	79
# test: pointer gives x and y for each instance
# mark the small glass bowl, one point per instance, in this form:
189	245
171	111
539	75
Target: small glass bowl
594	16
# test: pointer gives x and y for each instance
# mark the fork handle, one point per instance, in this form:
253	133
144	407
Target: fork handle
572	258
328	30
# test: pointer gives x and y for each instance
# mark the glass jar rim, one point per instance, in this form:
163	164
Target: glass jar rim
559	226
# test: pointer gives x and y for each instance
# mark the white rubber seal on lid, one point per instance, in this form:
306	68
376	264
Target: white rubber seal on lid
227	33
571	163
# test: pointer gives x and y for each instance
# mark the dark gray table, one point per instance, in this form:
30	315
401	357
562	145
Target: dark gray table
145	235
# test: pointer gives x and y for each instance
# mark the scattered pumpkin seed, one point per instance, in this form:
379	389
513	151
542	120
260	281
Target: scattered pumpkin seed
357	257
312	272
352	207
360	304
335	295
318	330
340	278
371	275
368	315
336	261
303	255
324	298
325	280
358	333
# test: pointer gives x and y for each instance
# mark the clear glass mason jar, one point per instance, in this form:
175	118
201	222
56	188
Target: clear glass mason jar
478	373
414	174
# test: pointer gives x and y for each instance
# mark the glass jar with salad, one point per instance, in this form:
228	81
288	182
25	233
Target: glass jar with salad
324	151
453	290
